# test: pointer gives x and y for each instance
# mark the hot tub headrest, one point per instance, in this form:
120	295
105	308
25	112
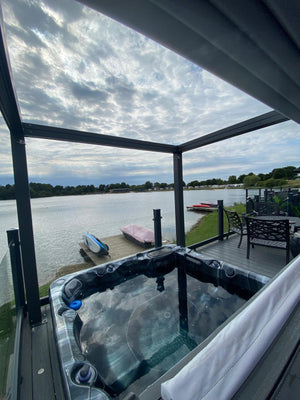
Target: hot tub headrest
72	288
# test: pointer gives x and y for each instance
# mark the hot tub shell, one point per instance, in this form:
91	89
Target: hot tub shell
151	263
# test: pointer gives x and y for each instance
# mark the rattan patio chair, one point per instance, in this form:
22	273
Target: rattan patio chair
235	224
269	233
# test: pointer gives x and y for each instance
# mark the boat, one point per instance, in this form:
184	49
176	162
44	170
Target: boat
95	245
203	207
139	234
209	203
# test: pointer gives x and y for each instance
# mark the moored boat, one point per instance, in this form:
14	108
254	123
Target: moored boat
95	245
139	234
209	203
203	207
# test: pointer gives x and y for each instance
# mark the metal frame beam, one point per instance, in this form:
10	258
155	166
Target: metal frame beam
10	110
253	124
70	135
8	101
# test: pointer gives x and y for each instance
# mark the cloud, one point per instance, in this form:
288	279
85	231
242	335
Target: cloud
259	151
77	69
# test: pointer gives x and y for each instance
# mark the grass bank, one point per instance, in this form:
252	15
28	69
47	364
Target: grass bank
207	226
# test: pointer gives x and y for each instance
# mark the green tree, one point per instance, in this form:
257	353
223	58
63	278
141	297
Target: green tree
284	173
251	180
58	190
194	183
163	185
241	178
232	179
148	185
270	183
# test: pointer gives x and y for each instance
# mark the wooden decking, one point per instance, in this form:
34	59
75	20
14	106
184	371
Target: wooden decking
39	366
40	371
262	260
119	247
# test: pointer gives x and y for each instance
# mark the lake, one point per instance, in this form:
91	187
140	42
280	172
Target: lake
59	222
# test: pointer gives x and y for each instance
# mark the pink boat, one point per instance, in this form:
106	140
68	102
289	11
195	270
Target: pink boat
138	234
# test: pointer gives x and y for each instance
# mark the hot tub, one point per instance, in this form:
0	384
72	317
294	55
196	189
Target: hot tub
121	326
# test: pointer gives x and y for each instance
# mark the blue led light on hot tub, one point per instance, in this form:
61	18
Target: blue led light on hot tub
75	305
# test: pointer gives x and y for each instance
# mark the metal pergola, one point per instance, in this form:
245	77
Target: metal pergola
253	45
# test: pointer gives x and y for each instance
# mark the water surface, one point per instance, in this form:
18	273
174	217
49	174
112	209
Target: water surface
136	332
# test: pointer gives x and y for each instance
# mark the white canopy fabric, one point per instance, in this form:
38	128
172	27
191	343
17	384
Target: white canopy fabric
219	370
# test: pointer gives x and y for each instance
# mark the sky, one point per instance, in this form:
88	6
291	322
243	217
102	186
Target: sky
76	68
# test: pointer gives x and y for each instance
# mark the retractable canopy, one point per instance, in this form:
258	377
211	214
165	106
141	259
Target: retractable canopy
254	45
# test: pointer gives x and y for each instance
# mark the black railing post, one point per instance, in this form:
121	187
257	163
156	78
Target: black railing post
157	227
290	202
220	219
16	267
179	203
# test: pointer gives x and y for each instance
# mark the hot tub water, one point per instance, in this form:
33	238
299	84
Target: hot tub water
132	334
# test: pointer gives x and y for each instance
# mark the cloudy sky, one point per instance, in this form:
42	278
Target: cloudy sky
75	68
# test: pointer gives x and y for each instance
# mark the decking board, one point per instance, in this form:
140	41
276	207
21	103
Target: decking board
26	385
262	260
39	366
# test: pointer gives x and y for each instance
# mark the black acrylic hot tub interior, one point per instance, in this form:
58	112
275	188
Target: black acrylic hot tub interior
140	318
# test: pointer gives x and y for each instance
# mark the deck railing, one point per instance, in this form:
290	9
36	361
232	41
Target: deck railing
274	202
10	330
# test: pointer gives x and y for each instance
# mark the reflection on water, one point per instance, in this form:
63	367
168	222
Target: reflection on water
134	333
59	222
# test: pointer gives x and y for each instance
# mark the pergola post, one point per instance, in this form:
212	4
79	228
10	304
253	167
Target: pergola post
178	194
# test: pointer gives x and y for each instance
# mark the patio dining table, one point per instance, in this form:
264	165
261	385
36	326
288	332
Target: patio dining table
294	221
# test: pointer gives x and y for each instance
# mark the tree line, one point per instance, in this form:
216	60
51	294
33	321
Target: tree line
277	177
7	192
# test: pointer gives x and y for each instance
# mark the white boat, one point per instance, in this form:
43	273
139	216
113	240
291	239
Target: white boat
95	245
